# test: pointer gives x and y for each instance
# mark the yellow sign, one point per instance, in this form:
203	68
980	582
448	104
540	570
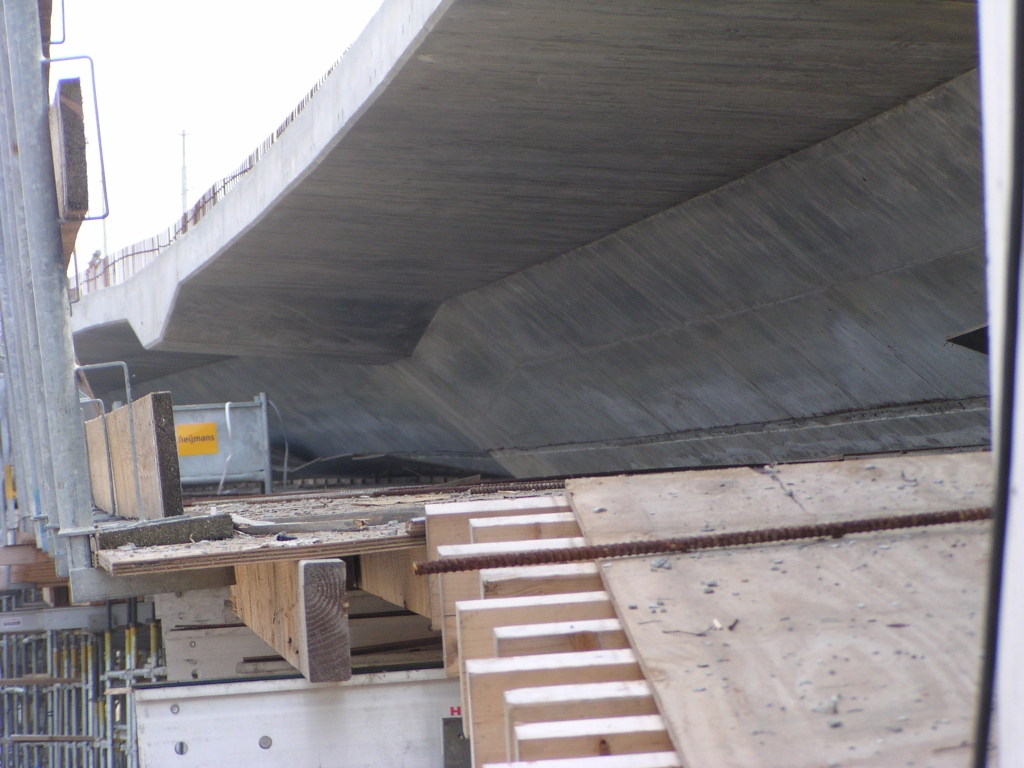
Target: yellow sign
197	439
9	490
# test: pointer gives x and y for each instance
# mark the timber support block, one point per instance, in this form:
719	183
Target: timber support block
299	608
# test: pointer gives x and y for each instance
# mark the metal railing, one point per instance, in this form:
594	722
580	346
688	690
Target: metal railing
118	267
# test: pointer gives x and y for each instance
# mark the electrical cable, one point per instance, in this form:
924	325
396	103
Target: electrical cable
285	436
231	448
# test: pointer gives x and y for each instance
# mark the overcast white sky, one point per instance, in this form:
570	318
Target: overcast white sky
225	71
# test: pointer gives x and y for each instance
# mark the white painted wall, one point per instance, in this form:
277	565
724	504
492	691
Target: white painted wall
390	720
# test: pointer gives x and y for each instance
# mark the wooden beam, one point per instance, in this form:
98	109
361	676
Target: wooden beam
299	609
533	580
42	573
21	554
89	584
476	620
389	575
559	637
577	702
549	525
465	585
645	760
591	738
449	524
489	679
156	452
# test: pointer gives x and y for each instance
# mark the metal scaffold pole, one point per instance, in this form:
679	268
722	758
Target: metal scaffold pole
33	288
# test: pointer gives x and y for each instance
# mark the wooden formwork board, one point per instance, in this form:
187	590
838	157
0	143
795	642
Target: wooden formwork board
534	580
638	507
244	550
631	734
488	679
559	637
859	651
548	525
648	760
448	524
552	703
155	456
543	627
389	575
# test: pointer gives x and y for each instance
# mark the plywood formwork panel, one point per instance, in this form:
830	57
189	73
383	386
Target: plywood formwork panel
244	550
154	455
860	652
630	508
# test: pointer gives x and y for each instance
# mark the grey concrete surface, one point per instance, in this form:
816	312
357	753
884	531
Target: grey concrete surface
461	142
798	312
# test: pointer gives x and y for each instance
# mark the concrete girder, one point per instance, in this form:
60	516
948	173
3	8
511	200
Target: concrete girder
799	312
459	143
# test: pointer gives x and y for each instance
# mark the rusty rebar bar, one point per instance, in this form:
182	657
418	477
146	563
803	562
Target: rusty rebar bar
699	542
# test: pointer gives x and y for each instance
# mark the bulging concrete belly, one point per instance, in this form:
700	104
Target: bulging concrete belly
555	240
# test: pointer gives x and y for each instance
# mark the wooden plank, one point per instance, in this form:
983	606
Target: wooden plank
488	679
173	530
323	621
21	554
521	581
559	637
448	523
645	760
684	503
804	653
42	573
96	442
476	620
590	738
549	525
156	452
250	549
465	585
299	610
577	702
389	575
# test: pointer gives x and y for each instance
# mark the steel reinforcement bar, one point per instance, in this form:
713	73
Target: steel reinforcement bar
702	541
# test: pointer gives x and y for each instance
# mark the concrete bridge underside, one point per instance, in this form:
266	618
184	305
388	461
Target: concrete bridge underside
551	238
